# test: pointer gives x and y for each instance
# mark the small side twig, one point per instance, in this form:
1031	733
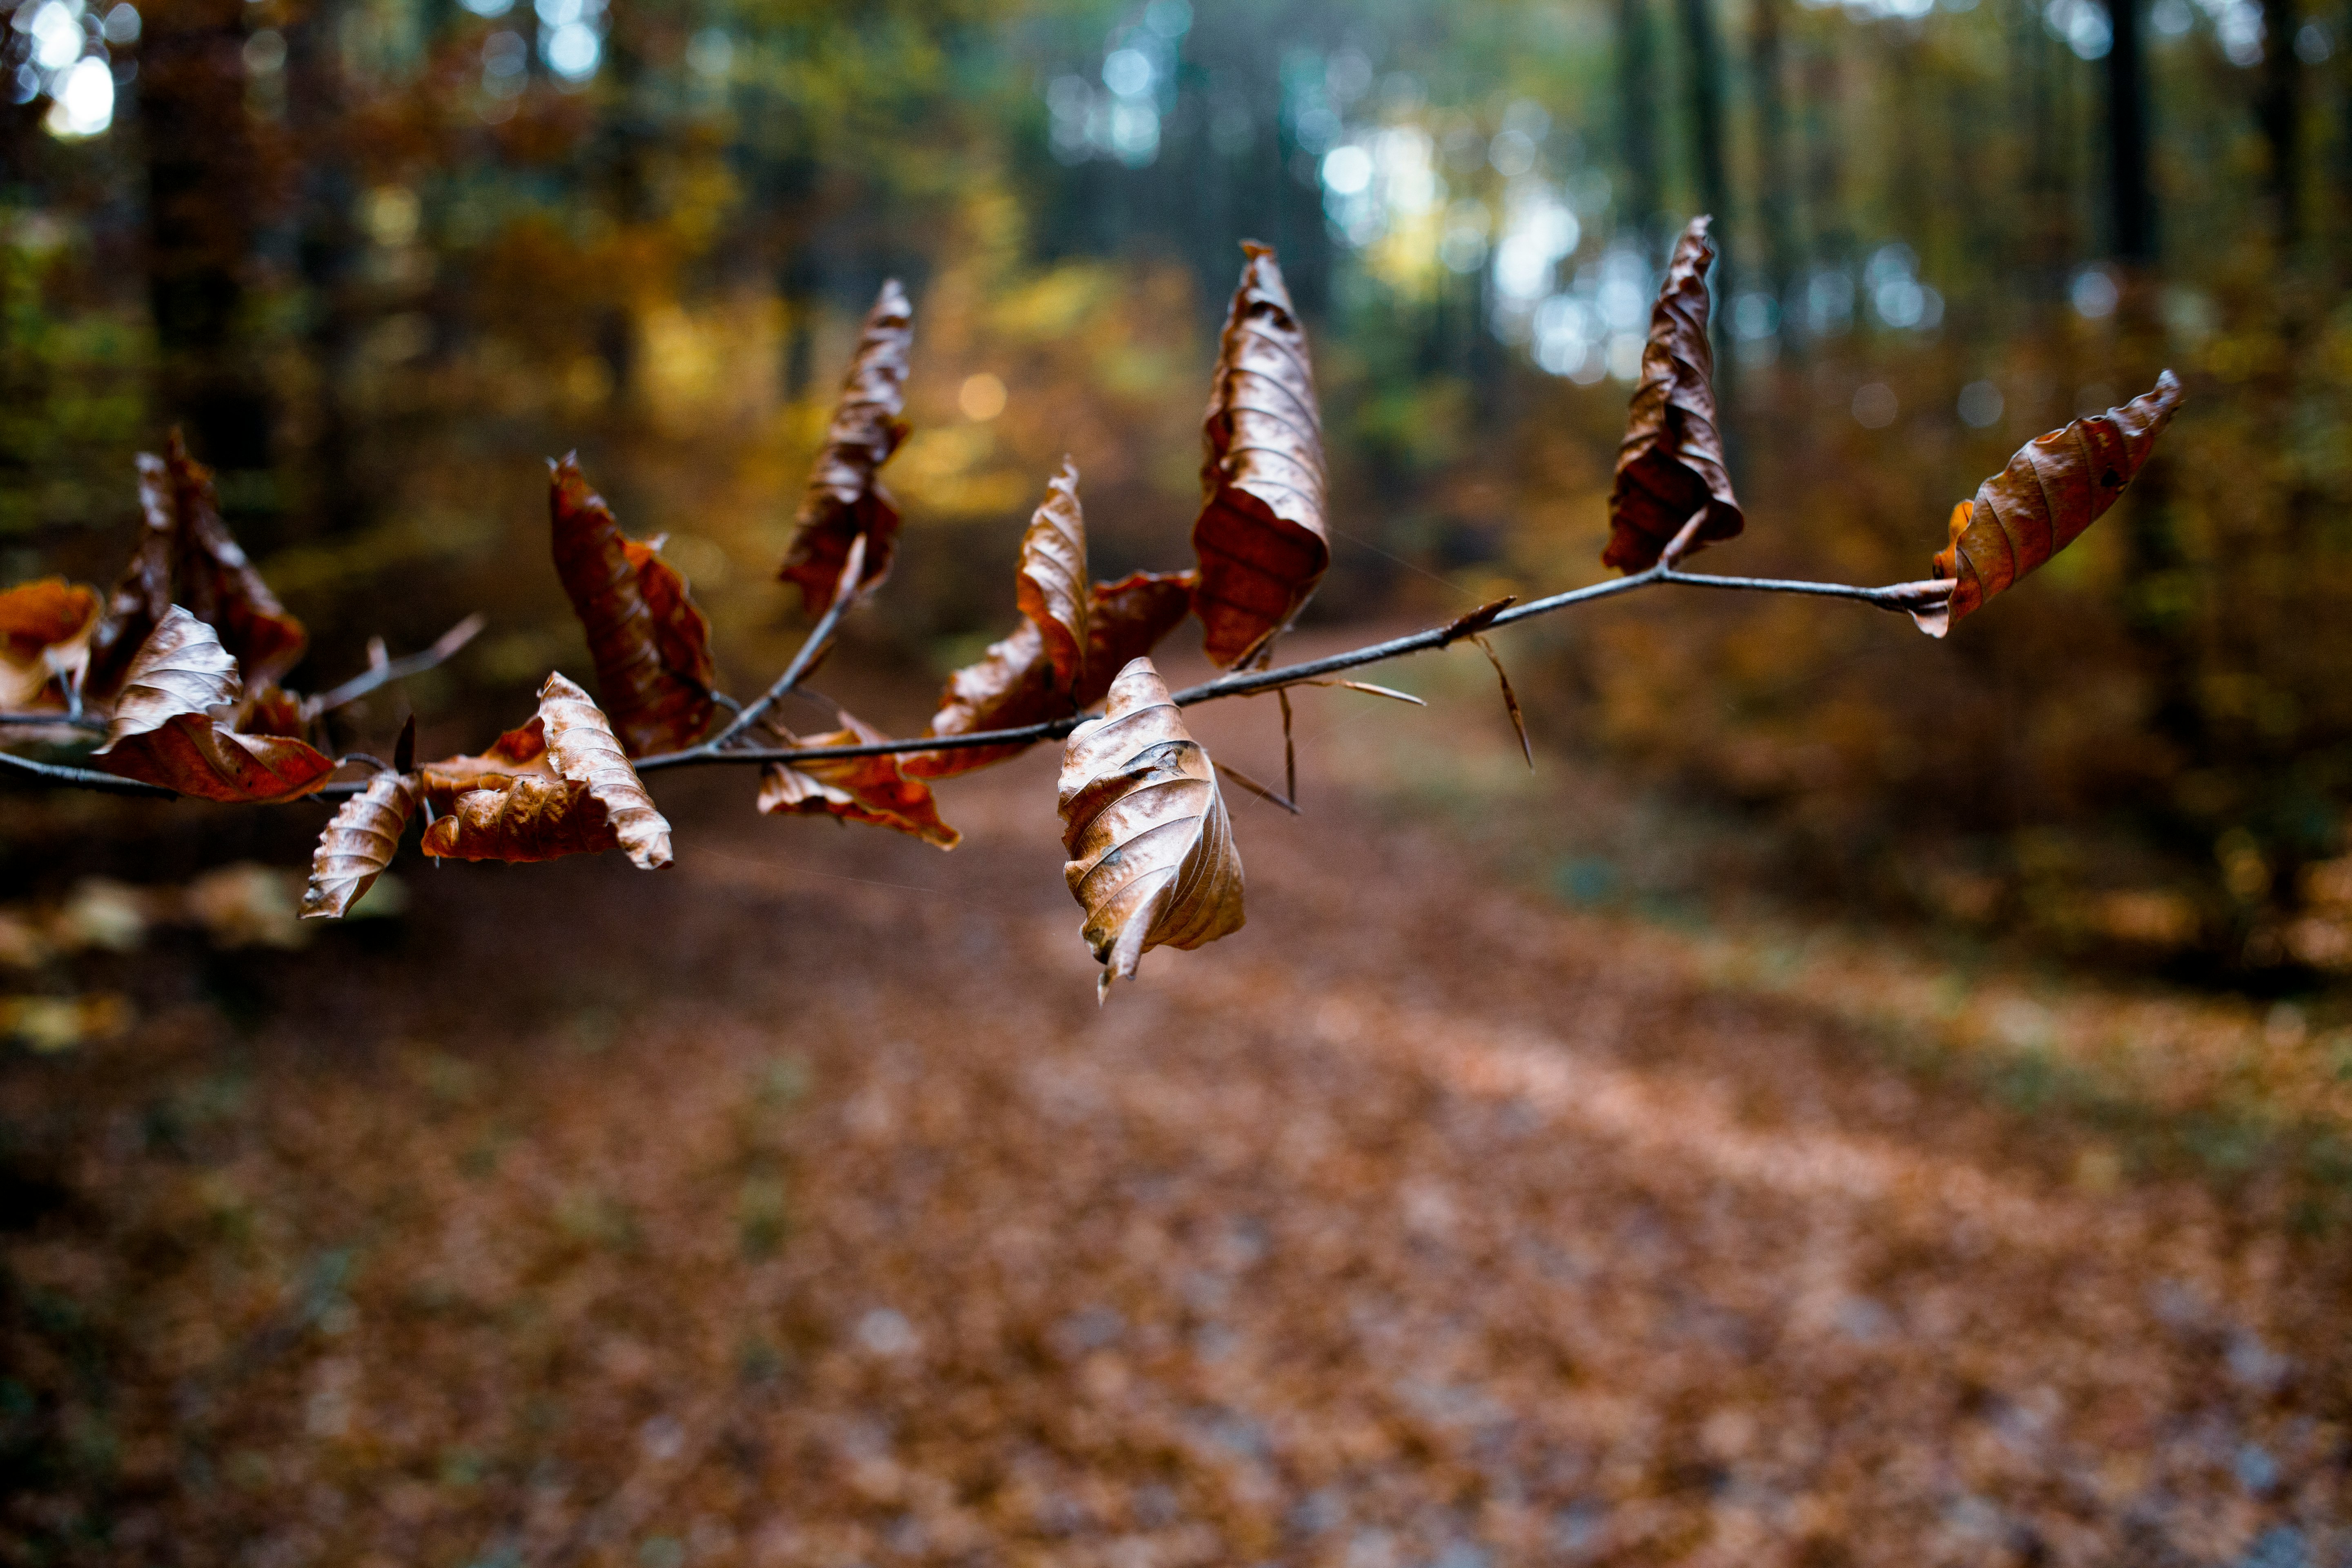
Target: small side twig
381	671
1263	792
811	648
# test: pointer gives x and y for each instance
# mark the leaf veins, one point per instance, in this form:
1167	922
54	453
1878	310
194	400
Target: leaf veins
164	731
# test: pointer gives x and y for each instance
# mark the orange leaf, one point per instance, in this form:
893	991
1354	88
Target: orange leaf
1261	534
586	800
357	844
2055	486
845	499
1151	851
1012	684
650	645
185	556
164	731
1672	462
853	789
45	631
514	754
1052	587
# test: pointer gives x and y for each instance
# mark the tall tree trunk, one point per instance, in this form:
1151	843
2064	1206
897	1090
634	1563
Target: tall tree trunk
329	250
1775	200
204	201
1714	177
2131	209
2281	113
1637	115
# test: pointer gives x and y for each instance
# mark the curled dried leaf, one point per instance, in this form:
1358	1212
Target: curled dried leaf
45	632
1152	860
186	556
844	497
530	817
164	730
854	789
271	710
358	843
650	644
515	755
1013	686
1671	464
2055	486
1053	588
560	786
1261	536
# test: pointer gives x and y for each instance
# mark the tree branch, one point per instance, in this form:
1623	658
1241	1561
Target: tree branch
360	685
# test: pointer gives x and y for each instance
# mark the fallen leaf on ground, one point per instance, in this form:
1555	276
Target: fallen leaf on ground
164	731
844	497
2055	486
1152	860
358	843
650	644
853	789
1260	536
186	557
588	798
45	632
1671	464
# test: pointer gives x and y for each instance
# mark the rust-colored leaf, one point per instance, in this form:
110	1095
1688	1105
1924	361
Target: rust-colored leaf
1013	683
1053	588
1671	464
650	644
358	843
186	557
45	632
2055	486
164	730
1260	536
853	789
1152	860
844	497
579	797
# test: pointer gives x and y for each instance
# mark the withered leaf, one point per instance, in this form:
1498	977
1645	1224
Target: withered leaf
45	632
514	754
1013	683
2055	486
164	732
1671	464
186	557
844	497
1053	588
358	843
1260	536
1152	860
587	799
271	710
853	789
650	644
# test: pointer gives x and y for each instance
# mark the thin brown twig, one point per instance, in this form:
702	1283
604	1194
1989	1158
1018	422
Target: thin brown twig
1510	699
381	672
811	648
1264	792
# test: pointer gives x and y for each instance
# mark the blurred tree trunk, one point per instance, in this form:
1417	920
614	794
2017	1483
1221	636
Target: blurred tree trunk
1637	115
2131	200
329	248
1714	183
205	199
1775	200
2280	114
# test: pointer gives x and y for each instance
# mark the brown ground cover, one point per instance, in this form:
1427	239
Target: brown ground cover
797	1205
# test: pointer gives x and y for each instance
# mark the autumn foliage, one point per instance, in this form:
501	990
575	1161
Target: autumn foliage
181	663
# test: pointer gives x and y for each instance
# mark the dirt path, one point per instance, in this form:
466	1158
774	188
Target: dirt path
799	1206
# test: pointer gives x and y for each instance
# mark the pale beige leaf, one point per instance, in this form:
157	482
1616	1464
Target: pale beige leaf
179	668
584	750
1152	860
357	844
1052	589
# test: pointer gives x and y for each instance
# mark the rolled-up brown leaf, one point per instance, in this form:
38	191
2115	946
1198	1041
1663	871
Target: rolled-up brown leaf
844	497
650	644
577	797
2055	486
357	845
1671	464
1152	860
1052	588
1262	536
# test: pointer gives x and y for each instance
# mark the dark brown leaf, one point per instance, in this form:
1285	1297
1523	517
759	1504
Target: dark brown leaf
587	798
1672	462
650	645
2055	486
1013	683
45	632
164	730
1152	860
357	844
1052	587
1260	536
186	557
845	499
853	789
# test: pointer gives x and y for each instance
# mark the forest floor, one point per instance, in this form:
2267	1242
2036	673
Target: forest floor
799	1206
